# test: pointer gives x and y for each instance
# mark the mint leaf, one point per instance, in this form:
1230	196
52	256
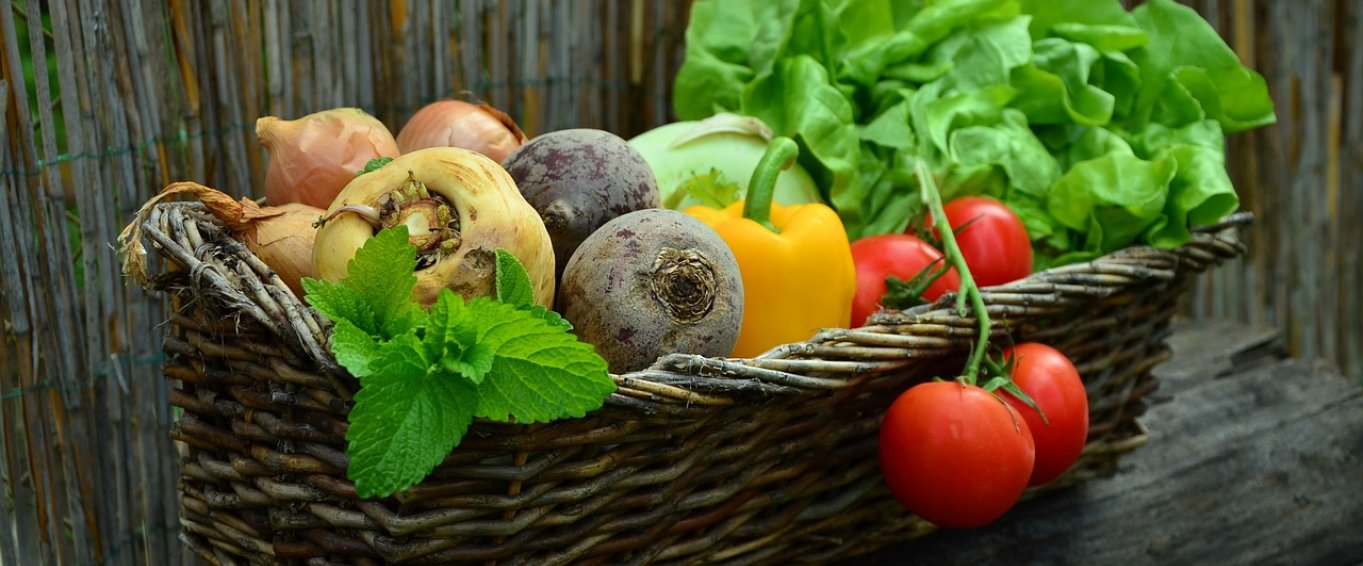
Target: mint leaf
374	165
353	347
449	326
553	318
406	419
513	283
339	302
540	372
473	363
514	288
381	274
452	339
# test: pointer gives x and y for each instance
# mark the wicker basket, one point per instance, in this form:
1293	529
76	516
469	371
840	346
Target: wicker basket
764	460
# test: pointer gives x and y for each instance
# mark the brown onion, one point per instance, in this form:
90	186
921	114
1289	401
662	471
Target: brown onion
455	123
281	236
284	242
313	157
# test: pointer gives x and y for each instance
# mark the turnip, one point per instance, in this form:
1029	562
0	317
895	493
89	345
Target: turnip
650	283
723	149
578	180
459	207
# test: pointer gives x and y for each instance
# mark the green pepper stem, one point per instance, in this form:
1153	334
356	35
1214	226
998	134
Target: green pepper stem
780	155
969	291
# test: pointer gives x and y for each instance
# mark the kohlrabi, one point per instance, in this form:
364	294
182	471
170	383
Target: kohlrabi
709	162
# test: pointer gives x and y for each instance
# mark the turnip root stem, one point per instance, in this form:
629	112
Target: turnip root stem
431	220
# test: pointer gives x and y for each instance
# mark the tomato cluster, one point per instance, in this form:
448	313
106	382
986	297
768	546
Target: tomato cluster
955	453
960	456
992	240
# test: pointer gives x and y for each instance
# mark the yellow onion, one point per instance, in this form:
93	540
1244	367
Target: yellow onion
284	242
281	236
455	123
313	157
459	207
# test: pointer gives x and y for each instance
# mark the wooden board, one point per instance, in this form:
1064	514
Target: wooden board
1253	459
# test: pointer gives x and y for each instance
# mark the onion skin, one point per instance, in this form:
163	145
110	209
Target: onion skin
455	123
284	242
491	211
313	157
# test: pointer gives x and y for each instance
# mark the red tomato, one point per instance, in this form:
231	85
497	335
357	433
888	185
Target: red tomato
994	244
1048	377
954	454
901	255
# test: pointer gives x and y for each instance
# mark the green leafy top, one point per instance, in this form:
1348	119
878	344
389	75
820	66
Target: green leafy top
1100	127
710	189
425	375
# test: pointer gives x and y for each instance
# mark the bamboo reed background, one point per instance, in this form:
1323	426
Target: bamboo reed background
128	95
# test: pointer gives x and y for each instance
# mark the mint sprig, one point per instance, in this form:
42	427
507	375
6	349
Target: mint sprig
425	375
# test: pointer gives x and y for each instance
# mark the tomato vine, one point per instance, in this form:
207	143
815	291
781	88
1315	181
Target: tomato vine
969	291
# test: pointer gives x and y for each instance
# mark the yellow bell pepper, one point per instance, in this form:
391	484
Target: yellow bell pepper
795	261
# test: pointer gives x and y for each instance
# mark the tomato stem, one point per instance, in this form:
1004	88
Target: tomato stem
968	291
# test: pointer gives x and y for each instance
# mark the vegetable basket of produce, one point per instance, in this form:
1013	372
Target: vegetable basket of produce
716	341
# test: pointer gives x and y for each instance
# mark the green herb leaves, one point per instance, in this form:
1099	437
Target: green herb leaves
513	283
407	418
376	295
424	376
374	165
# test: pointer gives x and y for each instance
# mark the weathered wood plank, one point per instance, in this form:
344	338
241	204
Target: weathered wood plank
32	218
16	321
102	495
1252	460
1300	176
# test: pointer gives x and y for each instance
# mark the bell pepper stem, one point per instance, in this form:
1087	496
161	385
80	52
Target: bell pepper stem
969	291
780	155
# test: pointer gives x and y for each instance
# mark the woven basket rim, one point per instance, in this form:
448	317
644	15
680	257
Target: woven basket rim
679	384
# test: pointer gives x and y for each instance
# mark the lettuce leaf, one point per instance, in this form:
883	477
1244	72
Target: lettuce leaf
1190	74
1101	127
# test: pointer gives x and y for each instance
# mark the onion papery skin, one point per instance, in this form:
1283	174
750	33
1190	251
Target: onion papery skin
313	157
455	123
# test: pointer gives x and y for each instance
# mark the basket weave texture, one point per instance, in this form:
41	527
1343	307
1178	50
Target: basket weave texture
763	460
